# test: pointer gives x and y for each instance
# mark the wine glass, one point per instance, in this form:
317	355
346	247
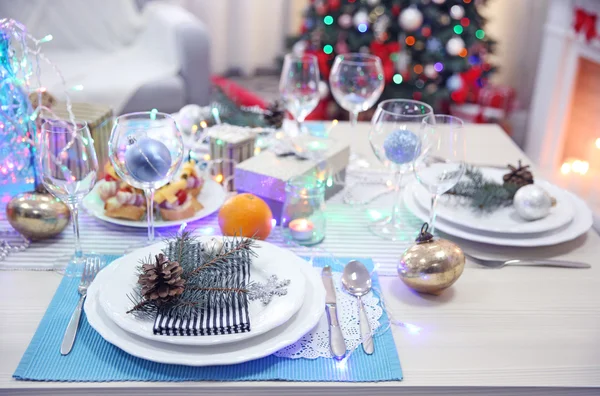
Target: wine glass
441	162
395	139
299	86
146	150
356	82
68	166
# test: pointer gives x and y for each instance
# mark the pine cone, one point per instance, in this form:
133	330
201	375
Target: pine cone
519	176
161	281
275	114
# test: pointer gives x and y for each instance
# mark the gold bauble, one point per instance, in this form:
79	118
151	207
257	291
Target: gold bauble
431	265
37	214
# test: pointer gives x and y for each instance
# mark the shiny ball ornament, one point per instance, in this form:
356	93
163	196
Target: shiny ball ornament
189	116
373	3
37	214
454	46
400	146
345	21
410	19
454	83
323	89
148	160
299	47
439	1
360	17
433	44
431	265
532	202
457	12
430	71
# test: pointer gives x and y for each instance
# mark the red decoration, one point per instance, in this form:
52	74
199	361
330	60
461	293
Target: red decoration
585	22
384	52
395	10
334	4
417	95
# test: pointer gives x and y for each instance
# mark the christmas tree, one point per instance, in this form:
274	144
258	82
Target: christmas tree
431	50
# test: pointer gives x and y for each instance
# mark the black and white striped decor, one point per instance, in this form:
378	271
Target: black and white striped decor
222	318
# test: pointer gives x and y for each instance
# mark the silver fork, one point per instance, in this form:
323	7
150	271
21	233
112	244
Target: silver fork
90	269
492	263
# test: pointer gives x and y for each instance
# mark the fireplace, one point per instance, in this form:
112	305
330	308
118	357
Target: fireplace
564	127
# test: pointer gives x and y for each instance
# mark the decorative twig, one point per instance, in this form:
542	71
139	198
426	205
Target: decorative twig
245	244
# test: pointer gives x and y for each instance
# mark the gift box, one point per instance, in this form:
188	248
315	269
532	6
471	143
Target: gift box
100	121
266	174
229	146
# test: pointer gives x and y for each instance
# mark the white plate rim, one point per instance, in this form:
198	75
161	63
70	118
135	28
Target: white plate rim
580	224
290	309
268	344
210	186
421	192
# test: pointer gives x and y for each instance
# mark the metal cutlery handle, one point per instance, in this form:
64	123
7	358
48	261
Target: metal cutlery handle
71	332
336	338
365	329
549	263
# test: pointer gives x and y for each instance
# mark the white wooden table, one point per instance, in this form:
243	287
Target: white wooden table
533	331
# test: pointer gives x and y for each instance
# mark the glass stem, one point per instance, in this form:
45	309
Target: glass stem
75	220
432	213
395	219
353	118
150	213
300	127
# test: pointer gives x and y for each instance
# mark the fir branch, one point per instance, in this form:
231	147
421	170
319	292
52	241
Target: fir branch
483	194
245	244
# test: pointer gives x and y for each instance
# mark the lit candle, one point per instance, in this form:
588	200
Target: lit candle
301	229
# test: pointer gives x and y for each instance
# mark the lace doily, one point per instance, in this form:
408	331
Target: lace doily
316	343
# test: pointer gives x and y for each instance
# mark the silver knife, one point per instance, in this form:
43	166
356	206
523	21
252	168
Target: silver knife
336	338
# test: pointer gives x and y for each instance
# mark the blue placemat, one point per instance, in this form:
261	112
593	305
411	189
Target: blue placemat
96	360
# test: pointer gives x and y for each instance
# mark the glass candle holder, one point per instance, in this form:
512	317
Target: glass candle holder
303	216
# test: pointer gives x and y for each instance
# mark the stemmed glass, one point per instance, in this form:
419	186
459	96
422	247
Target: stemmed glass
395	139
356	82
441	162
68	166
146	150
299	86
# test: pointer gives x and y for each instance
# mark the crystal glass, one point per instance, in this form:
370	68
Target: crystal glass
395	137
356	82
299	86
146	150
441	162
303	216
68	167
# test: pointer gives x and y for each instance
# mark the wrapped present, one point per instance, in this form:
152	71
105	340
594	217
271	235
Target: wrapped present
498	97
267	173
231	144
100	121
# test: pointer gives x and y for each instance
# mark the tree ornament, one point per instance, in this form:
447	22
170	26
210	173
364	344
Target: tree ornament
345	21
147	160
454	46
533	202
364	50
299	47
433	44
400	146
431	265
161	282
360	17
341	47
190	116
212	247
334	4
275	114
454	83
323	89
403	62
410	19
444	19
429	71
457	12
439	1
519	175
381	24
373	3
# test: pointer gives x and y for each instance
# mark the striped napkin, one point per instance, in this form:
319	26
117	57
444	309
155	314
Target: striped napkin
221	318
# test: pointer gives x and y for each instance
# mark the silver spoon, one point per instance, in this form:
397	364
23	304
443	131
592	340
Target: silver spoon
357	281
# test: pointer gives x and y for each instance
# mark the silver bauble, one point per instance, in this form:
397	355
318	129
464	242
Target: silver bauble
532	202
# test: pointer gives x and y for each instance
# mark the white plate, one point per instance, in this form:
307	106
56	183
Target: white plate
211	197
120	279
504	220
301	323
581	223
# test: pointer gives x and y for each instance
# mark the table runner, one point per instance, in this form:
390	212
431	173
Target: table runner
95	360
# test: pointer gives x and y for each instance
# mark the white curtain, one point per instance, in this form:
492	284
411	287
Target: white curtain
245	34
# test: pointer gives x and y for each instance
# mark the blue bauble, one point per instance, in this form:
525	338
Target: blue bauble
454	83
148	160
400	146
